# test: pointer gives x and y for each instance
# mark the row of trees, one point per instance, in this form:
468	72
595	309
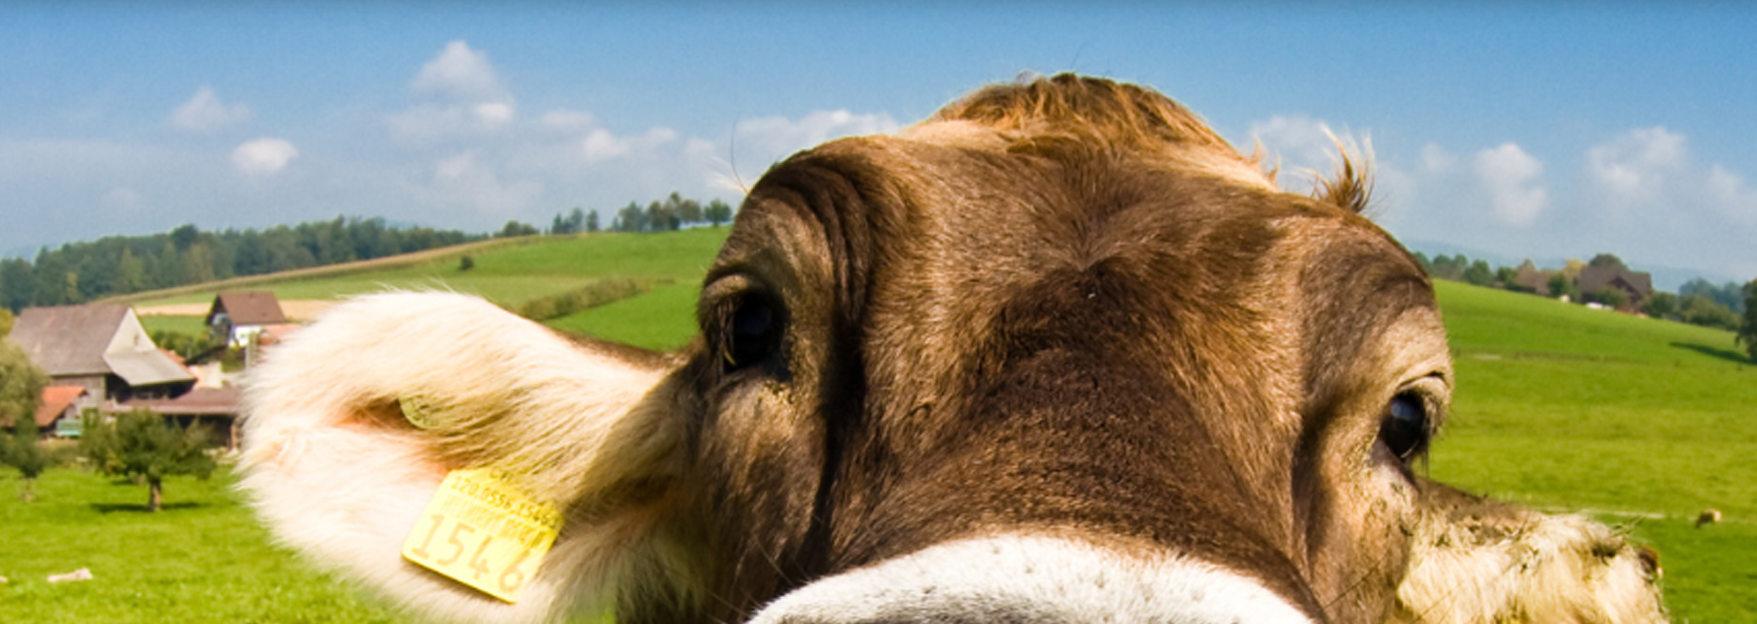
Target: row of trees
117	265
671	214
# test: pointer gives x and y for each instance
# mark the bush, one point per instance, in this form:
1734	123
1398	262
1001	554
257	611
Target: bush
1609	297
589	296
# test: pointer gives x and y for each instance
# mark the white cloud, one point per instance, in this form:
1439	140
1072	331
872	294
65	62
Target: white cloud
493	113
264	156
600	145
463	179
1435	159
1639	165
1302	149
774	138
1511	177
1650	171
460	73
563	119
206	113
1728	192
459	96
122	197
1295	142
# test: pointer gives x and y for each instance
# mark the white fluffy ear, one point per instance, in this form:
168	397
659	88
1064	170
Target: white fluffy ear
337	472
1476	560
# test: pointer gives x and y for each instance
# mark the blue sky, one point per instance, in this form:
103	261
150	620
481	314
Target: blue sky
1555	131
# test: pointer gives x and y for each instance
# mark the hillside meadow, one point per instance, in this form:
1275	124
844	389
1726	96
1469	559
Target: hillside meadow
1640	423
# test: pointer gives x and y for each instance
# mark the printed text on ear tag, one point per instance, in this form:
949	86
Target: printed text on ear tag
483	532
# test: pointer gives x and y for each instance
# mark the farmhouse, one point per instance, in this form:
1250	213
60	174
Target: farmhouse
1531	279
241	315
1636	286
102	349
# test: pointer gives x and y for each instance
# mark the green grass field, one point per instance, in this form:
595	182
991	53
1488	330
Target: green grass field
201	559
1640	423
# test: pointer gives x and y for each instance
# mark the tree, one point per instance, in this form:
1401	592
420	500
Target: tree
574	222
20	450
18	284
21	387
514	228
592	221
1607	260
718	212
1748	330
1479	274
1561	286
187	346
1699	309
143	446
630	219
1508	279
21	384
660	217
1660	305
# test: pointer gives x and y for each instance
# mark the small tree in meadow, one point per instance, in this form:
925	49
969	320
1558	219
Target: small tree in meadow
21	388
142	446
20	450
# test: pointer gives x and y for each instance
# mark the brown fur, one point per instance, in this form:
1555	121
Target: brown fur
1063	307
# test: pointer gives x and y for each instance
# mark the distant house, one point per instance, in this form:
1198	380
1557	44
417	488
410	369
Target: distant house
57	410
102	349
241	315
1531	279
1636	286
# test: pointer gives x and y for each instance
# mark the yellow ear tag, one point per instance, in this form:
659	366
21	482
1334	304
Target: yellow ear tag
484	532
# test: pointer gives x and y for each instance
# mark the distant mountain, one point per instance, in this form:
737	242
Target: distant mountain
1665	278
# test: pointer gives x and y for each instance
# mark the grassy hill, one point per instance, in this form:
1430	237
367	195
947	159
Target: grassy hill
510	273
1640	423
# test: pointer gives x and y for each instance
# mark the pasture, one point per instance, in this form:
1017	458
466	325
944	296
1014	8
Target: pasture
1640	423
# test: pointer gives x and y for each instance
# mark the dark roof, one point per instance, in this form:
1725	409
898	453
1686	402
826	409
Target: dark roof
1528	276
248	307
199	402
68	340
1593	278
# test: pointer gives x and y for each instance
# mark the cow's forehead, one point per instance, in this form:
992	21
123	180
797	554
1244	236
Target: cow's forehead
933	249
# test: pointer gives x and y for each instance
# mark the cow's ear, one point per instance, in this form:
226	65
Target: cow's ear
1479	560
353	423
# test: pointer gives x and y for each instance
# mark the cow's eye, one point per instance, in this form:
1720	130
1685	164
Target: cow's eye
1405	428
753	332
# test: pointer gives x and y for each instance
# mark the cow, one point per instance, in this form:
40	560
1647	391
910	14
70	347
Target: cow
1058	353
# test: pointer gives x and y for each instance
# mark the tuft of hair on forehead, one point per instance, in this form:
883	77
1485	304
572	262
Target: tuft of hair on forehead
1350	186
1101	114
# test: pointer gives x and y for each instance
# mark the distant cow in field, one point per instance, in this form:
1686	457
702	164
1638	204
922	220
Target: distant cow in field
1057	354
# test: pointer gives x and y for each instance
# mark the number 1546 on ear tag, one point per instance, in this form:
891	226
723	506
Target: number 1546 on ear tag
483	532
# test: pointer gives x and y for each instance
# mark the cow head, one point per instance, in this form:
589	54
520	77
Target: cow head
1056	354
